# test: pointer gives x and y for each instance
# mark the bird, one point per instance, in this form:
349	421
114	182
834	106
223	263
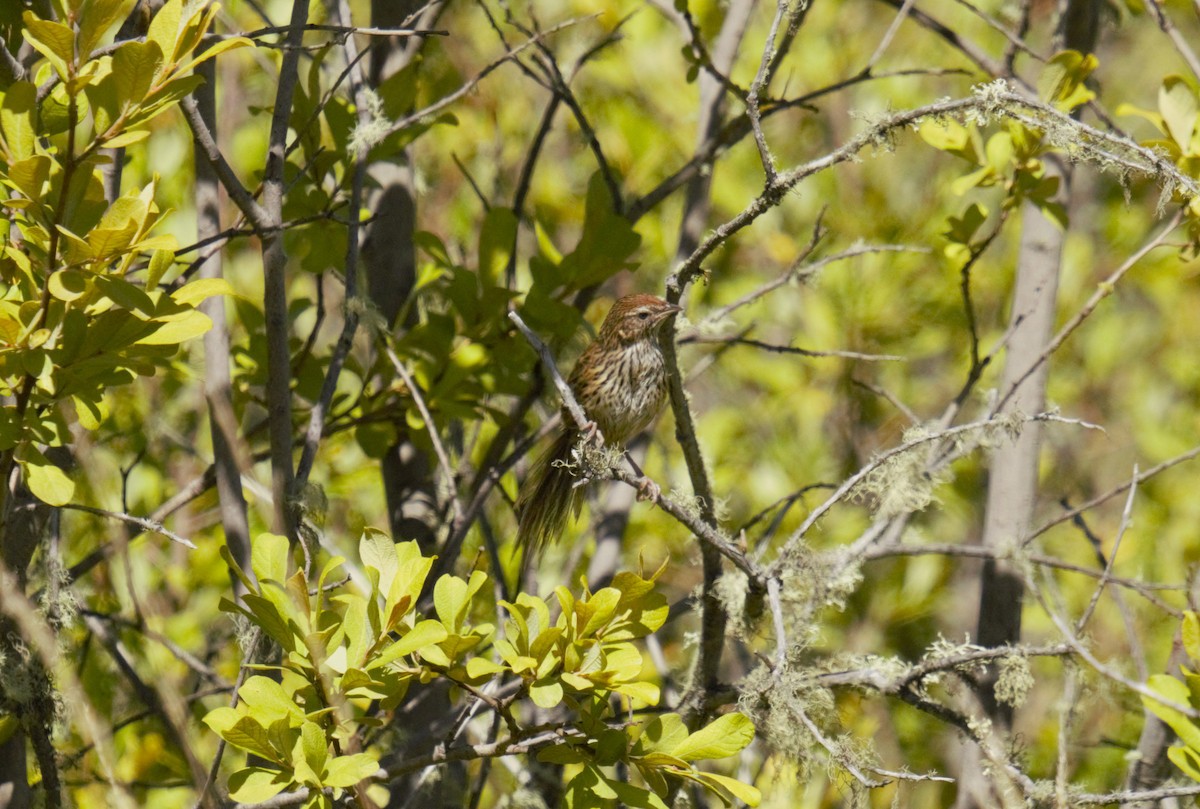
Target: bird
620	381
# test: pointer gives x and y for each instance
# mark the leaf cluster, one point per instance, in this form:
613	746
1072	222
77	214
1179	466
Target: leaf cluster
349	658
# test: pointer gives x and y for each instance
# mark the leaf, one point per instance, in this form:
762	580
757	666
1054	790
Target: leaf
546	694
346	771
250	735
30	175
315	748
164	28
378	552
68	285
1191	634
1177	102
662	733
562	754
257	784
1187	760
423	634
16	119
127	138
47	482
1177	692
217	49
160	262
948	136
134	66
53	40
178	330
497	239
722	737
1062	80
743	792
269	557
480	667
194	292
99	16
450	600
269	701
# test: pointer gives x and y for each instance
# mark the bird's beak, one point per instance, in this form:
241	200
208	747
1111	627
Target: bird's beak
669	312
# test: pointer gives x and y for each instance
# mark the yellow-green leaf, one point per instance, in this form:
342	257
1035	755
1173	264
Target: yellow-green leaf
743	792
1177	102
134	66
722	737
164	28
16	118
1191	634
194	292
47	482
257	784
98	17
178	330
53	40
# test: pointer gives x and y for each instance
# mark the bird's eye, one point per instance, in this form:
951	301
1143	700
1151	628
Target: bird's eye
643	315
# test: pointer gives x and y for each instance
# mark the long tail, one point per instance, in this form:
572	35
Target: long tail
547	498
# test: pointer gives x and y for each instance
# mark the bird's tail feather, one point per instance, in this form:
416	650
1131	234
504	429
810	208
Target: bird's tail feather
547	497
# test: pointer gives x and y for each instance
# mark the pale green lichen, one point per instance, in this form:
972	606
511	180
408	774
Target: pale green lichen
1014	681
374	128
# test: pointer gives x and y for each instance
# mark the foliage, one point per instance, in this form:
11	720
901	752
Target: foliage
1181	694
348	659
841	198
72	323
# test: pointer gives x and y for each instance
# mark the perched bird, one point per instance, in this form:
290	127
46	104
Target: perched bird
620	381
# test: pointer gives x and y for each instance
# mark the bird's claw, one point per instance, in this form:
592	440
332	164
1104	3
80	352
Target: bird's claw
591	433
647	489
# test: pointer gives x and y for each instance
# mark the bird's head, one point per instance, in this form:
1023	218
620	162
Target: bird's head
636	317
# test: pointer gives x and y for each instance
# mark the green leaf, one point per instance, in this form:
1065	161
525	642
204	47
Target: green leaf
1191	634
480	667
423	634
743	792
16	119
194	292
47	482
601	607
257	784
164	28
53	40
1177	102
268	700
547	693
160	262
250	735
562	754
1177	692
949	136
269	557
607	242
97	17
722	737
450	600
663	733
497	239
315	748
134	66
1062	80
68	285
1187	760
127	138
178	330
346	771
214	50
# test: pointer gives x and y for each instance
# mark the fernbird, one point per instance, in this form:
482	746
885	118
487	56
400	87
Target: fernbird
620	381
